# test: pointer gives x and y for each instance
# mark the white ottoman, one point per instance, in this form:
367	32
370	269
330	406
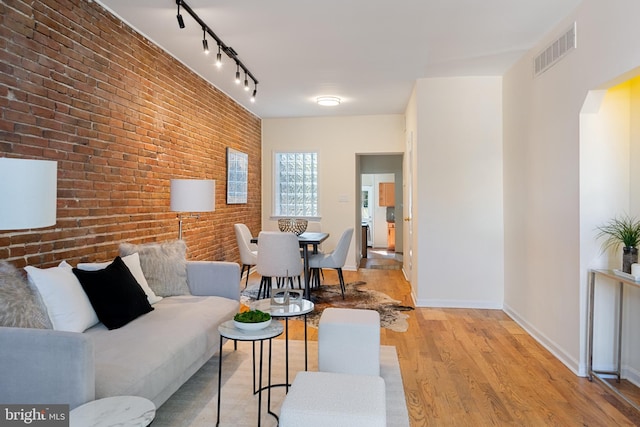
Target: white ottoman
326	399
349	341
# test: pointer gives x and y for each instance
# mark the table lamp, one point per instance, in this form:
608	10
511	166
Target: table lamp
192	195
28	193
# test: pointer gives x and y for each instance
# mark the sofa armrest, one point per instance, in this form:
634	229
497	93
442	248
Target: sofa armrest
43	366
214	278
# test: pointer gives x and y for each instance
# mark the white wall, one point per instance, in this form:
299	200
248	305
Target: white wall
337	140
547	245
457	215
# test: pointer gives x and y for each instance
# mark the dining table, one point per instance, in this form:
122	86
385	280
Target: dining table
309	242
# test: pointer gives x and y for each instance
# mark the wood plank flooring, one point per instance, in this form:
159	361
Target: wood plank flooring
467	367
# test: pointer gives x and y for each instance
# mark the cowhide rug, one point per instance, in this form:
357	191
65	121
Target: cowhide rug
356	295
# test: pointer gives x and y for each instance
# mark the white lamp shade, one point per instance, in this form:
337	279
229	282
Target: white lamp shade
28	192
193	195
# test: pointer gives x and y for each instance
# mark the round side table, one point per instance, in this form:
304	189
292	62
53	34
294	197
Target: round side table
121	411
295	308
228	330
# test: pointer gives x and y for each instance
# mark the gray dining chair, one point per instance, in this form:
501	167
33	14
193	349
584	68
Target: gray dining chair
279	257
315	227
334	259
248	251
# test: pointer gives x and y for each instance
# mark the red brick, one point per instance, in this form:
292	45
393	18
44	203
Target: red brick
80	87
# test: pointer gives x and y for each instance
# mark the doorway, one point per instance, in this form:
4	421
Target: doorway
380	244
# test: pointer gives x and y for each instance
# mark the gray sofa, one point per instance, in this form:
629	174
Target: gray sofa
152	356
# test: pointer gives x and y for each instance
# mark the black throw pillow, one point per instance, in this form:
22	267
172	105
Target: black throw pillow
114	294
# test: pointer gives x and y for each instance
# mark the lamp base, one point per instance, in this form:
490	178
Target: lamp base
196	216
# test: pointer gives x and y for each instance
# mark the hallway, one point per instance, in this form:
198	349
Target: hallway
382	259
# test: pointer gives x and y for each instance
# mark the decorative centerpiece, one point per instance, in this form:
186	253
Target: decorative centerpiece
252	320
625	231
293	225
285	295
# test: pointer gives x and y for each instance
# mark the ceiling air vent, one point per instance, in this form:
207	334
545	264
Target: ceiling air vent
555	51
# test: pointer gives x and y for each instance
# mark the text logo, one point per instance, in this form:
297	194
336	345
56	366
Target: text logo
34	415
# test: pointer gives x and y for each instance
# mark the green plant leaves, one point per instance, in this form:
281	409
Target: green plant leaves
624	230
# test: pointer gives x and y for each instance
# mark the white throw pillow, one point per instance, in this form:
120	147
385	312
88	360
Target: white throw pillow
133	264
67	304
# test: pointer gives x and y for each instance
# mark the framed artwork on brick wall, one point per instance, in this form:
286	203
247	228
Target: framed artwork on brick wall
237	176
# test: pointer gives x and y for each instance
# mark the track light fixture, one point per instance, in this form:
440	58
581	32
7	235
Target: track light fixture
221	48
180	20
253	95
219	57
205	44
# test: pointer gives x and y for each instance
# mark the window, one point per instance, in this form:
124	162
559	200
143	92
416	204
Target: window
296	184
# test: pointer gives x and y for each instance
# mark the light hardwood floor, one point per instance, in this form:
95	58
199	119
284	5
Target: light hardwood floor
467	367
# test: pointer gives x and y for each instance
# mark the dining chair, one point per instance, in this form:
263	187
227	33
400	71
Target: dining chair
248	250
334	259
315	227
279	257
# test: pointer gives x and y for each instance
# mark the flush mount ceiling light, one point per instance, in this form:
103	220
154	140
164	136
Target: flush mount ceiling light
328	101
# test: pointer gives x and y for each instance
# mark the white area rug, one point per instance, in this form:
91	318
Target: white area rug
195	403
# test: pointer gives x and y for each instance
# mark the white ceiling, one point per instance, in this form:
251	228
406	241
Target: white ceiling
367	52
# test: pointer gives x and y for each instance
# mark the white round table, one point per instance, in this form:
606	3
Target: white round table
121	411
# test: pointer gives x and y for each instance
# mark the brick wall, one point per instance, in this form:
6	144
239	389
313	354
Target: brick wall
122	118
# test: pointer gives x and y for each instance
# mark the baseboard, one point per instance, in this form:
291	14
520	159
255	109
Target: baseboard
566	359
350	267
440	303
632	375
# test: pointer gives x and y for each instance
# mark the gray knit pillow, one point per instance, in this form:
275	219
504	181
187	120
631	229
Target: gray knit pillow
164	266
20	304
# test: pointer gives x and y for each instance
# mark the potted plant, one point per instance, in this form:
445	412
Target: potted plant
626	231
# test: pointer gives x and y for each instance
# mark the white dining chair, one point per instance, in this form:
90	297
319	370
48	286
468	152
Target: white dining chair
334	259
248	251
279	257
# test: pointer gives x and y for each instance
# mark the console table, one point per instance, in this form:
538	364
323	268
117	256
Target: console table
622	281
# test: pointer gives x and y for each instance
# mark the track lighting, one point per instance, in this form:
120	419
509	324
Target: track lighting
219	58
221	48
205	44
180	20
